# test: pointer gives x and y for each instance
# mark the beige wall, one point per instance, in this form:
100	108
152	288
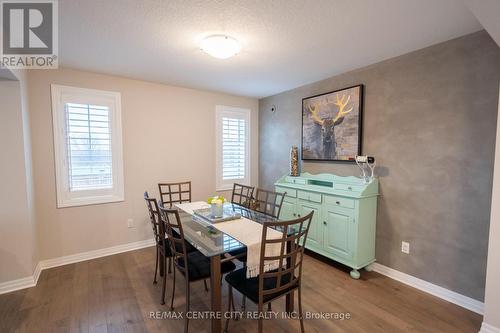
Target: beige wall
18	252
168	135
492	293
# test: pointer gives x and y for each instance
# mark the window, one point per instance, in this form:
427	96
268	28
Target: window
232	146
88	146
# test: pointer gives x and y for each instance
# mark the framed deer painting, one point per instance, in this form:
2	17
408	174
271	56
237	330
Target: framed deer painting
332	125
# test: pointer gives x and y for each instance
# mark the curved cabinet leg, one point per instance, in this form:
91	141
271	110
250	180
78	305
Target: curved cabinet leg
355	274
369	268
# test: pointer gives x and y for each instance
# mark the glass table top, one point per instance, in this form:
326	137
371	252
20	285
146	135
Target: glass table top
209	240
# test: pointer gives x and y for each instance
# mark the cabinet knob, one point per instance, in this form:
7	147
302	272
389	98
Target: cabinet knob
337	202
324	222
349	188
298	215
294	214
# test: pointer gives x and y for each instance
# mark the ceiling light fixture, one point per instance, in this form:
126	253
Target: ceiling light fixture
220	46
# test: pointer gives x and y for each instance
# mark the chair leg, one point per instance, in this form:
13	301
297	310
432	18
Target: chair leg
169	265
188	297
300	311
244	299
173	294
261	319
206	286
164	283
230	302
156	266
269	307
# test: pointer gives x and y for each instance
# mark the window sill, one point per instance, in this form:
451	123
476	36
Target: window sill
66	203
224	189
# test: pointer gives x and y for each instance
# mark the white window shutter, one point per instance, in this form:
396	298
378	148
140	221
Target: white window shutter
232	146
88	146
90	156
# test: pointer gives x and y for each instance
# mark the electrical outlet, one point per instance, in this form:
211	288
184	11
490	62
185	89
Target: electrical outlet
130	223
405	247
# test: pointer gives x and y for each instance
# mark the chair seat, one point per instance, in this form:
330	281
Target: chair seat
238	252
250	287
199	266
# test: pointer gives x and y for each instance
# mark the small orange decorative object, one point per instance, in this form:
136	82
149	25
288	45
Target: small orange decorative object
294	161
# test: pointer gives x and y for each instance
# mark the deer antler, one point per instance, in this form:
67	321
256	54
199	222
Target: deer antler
314	114
342	103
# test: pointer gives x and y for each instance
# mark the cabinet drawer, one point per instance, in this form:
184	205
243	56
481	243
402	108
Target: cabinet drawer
289	192
295	180
348	187
314	197
338	201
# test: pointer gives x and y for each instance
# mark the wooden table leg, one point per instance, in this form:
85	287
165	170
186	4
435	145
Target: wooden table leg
215	290
289	297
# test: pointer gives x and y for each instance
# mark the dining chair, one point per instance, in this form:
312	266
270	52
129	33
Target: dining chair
268	202
172	193
242	194
286	279
162	248
193	265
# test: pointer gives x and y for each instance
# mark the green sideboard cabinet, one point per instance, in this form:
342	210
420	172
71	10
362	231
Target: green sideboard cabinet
345	215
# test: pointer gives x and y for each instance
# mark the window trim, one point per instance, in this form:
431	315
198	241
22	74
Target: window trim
220	111
60	95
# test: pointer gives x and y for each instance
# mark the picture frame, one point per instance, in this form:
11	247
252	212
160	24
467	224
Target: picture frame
332	125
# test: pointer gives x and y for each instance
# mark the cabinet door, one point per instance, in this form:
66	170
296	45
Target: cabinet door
314	238
339	232
288	211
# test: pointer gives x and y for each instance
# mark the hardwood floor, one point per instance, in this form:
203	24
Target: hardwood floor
116	294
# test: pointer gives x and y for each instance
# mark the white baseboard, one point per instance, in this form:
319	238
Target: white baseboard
31	281
443	293
49	263
7	287
487	328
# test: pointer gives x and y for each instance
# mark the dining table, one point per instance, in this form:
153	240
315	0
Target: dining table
216	245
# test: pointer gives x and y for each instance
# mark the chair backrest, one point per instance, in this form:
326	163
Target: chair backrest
154	216
172	193
175	233
268	202
242	194
292	243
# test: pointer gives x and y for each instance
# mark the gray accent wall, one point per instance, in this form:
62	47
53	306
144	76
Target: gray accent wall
430	121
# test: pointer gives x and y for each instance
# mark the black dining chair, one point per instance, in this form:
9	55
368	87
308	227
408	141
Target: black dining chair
162	247
154	217
268	202
193	265
242	194
172	193
265	202
286	279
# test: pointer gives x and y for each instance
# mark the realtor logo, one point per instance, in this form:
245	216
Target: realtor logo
29	34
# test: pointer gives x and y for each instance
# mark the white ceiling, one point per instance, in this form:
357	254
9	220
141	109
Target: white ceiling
286	43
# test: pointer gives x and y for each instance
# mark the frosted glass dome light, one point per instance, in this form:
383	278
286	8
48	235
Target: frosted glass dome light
220	46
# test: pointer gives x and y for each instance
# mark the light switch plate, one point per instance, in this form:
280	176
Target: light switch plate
405	247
